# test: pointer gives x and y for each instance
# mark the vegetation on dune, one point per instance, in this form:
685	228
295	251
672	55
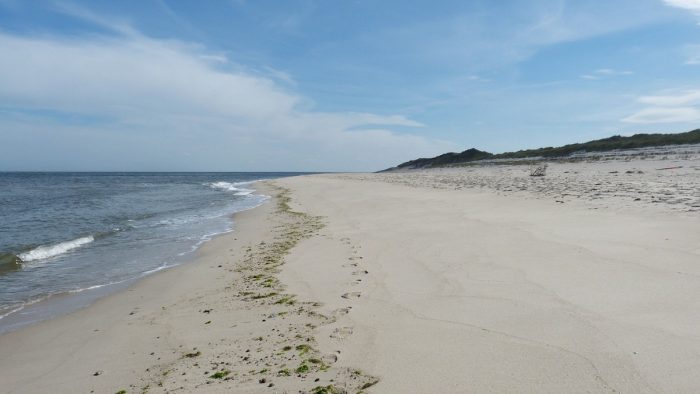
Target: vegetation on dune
448	158
610	143
606	144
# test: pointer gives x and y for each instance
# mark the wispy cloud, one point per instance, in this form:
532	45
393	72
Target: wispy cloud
605	73
690	5
484	37
476	78
163	95
681	107
610	71
681	98
110	23
280	75
665	115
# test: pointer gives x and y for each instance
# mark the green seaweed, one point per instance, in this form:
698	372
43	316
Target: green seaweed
303	349
284	372
303	368
261	296
330	389
369	384
220	374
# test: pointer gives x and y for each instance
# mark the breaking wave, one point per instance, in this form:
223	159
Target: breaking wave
48	251
232	187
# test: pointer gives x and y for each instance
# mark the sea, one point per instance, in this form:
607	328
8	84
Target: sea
67	239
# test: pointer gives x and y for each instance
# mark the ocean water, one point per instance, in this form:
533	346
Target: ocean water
64	234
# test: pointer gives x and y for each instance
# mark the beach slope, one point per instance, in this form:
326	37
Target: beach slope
470	291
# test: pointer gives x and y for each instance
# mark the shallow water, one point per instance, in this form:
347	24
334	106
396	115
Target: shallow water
63	233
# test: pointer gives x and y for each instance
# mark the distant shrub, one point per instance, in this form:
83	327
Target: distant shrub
615	142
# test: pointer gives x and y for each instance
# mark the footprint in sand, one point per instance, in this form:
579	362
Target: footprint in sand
341	311
341	333
350	265
355	258
329	358
353	294
361	272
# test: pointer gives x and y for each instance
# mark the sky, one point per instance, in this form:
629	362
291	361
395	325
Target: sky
334	85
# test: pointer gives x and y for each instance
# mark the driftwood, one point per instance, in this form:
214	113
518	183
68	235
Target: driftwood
669	168
539	170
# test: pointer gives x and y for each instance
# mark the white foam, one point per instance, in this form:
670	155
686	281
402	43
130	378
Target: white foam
232	187
48	251
17	309
22	306
93	287
159	268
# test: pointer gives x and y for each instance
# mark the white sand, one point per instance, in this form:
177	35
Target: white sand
427	281
473	292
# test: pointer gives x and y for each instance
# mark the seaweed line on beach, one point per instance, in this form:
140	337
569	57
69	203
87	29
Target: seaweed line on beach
282	355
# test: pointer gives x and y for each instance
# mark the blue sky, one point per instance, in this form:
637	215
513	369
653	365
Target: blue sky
246	85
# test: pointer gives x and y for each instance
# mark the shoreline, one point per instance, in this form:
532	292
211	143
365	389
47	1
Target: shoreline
102	313
71	301
139	339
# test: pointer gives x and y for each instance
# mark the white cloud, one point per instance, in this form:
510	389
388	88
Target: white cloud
665	115
169	96
121	76
682	98
690	5
477	78
610	71
480	37
681	107
605	73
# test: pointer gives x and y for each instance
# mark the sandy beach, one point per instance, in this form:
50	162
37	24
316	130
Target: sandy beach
349	197
438	281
